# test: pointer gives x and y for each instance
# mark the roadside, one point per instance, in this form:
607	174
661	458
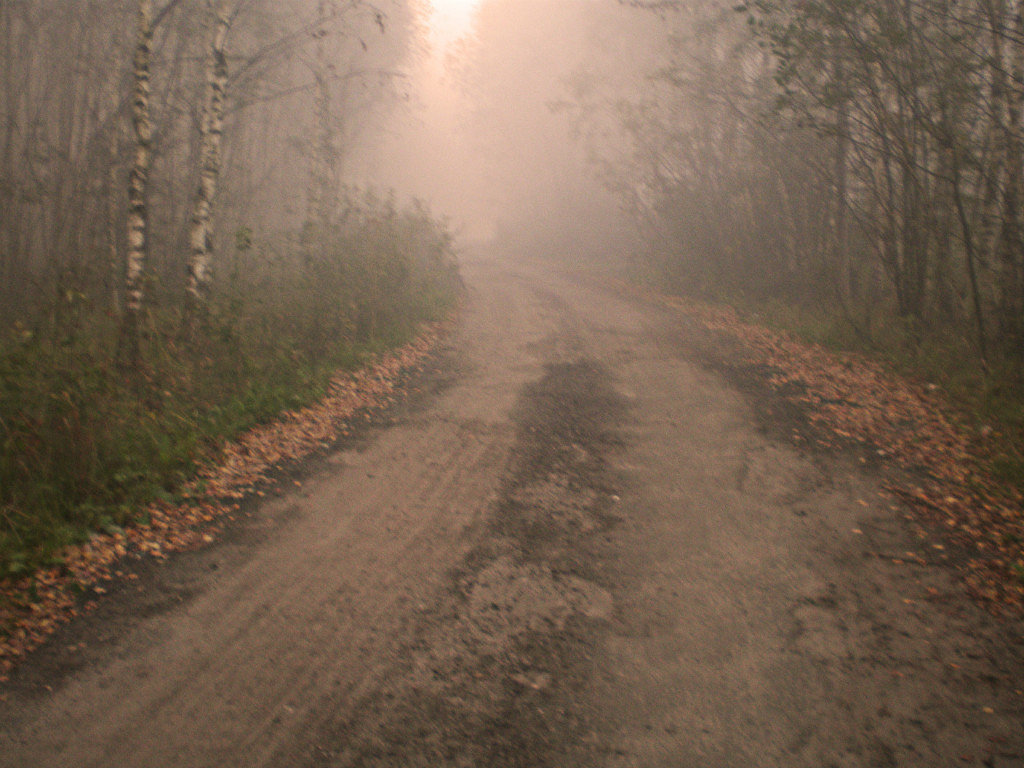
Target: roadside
938	461
35	606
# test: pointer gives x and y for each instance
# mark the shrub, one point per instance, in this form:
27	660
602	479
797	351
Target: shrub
85	445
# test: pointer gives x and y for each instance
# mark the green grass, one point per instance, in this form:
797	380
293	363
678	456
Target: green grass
85	445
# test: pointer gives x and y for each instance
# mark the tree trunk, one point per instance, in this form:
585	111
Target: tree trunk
324	184
212	130
1013	232
1004	22
137	214
115	268
970	257
845	271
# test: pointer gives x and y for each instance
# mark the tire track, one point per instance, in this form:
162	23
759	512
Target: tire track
262	649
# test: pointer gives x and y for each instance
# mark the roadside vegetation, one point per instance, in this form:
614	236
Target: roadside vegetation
182	254
852	171
87	443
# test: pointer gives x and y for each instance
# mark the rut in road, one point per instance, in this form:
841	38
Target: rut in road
492	674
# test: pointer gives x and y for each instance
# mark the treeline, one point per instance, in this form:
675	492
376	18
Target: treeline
859	156
180	256
142	134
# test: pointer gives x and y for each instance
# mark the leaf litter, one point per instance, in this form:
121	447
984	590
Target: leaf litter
34	606
910	426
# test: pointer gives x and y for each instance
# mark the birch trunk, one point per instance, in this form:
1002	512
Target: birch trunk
323	191
138	180
115	268
1013	235
212	131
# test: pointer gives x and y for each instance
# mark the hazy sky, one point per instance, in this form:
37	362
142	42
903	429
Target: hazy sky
426	151
480	141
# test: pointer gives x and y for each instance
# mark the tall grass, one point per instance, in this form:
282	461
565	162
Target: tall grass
84	444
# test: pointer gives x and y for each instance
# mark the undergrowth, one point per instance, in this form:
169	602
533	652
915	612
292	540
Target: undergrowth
85	443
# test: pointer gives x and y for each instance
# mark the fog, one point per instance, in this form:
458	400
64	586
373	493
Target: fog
215	214
484	139
865	156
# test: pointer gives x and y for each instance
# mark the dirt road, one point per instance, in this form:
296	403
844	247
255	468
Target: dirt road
576	547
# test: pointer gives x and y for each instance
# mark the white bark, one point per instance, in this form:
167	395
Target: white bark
212	128
113	215
139	178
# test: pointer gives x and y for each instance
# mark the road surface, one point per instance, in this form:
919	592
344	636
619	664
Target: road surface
576	546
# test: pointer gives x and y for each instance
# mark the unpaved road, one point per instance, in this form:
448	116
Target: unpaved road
576	547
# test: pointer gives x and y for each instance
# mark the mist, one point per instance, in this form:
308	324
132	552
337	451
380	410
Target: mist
511	382
718	150
487	140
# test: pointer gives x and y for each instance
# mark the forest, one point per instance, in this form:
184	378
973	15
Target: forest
190	244
181	254
858	159
512	383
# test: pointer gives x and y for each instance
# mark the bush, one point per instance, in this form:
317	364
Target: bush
84	445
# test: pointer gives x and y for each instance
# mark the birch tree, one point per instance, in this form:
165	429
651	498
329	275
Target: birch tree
212	131
120	154
137	183
323	188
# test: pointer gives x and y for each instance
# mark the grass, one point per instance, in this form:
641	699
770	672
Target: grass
85	445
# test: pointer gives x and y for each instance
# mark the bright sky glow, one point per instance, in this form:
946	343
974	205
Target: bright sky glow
450	19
